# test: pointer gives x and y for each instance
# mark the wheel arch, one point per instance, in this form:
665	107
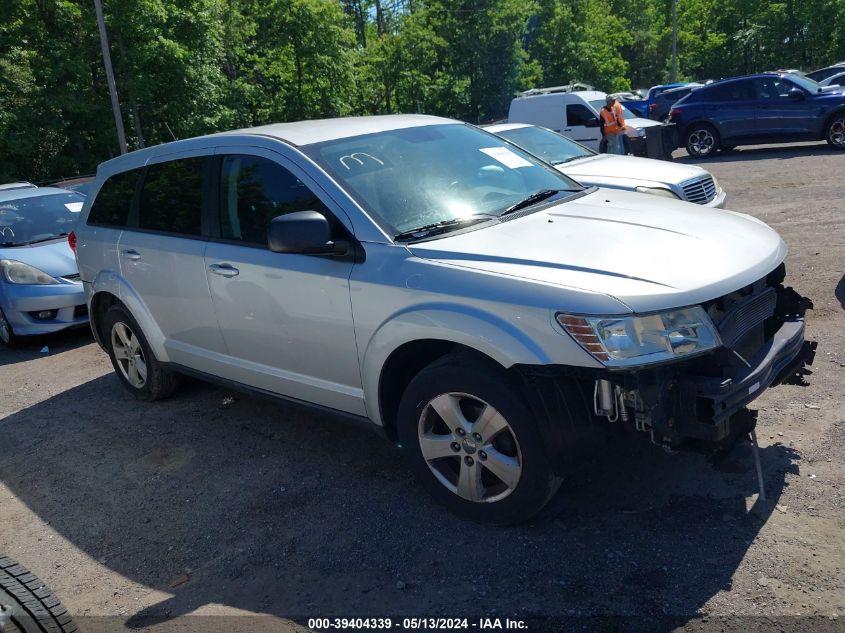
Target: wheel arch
110	289
407	343
838	111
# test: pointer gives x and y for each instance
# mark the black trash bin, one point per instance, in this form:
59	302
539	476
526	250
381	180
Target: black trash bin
661	141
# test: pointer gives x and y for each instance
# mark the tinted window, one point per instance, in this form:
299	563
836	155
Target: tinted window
112	204
255	190
577	114
733	91
171	199
773	88
824	73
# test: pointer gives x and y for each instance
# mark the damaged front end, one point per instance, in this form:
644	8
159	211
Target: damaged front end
701	402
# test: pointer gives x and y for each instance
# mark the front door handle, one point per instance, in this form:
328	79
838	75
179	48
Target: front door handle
224	270
131	254
569	129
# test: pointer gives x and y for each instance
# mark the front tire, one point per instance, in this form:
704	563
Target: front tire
473	443
702	141
835	131
7	334
134	362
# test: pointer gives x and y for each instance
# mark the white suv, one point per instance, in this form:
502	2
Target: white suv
483	310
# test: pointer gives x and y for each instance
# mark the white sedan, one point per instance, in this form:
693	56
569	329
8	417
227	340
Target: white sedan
645	175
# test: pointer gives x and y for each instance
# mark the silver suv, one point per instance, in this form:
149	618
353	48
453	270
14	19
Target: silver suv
482	309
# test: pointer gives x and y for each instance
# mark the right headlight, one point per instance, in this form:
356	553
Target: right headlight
658	191
16	272
639	340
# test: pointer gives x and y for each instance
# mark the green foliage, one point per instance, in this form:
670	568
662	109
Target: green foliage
188	67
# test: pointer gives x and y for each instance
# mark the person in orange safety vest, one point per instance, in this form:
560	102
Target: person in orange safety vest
612	124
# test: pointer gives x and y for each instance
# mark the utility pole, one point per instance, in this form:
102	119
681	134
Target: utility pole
115	104
674	41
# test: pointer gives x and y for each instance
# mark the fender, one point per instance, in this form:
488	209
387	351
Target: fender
472	328
112	282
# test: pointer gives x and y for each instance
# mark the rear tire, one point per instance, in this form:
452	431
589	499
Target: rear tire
702	140
472	441
7	334
27	604
835	131
134	362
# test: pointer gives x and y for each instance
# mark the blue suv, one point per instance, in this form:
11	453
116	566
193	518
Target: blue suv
758	109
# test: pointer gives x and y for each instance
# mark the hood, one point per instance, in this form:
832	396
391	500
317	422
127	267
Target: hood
648	252
638	123
629	171
54	258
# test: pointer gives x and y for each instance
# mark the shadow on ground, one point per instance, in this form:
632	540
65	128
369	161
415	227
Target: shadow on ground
840	292
273	509
29	347
761	152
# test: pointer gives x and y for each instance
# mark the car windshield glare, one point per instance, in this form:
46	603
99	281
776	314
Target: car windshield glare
419	176
38	218
805	82
551	147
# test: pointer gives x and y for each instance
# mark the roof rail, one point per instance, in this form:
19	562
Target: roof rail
575	86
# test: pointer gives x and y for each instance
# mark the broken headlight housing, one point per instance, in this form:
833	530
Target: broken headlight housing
628	341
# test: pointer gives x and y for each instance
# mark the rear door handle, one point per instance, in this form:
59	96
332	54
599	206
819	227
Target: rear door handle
224	270
131	254
569	129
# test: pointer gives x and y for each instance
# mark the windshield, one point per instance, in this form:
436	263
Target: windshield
419	176
38	218
805	82
598	104
551	147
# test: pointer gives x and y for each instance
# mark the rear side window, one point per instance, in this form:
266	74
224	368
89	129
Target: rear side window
171	198
577	114
113	201
734	91
253	191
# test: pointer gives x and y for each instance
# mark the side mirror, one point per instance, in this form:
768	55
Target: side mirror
305	232
796	94
592	123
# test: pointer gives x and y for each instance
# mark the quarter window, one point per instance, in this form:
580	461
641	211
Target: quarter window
113	201
253	191
171	199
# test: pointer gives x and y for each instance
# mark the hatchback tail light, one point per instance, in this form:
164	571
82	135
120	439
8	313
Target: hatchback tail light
71	240
675	112
652	107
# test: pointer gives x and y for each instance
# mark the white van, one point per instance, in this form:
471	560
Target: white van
575	115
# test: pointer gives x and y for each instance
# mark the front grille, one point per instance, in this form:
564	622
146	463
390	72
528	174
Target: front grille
746	316
699	191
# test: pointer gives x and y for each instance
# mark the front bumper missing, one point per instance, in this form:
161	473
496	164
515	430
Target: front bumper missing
680	405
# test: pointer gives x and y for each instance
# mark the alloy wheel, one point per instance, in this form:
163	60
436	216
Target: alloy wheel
470	447
836	132
701	142
129	355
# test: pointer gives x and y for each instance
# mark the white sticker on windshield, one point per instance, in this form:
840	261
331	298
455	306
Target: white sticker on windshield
506	157
74	207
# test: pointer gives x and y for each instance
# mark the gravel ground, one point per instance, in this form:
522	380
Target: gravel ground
149	512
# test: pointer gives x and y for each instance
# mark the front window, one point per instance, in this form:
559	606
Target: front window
38	218
419	176
545	144
806	83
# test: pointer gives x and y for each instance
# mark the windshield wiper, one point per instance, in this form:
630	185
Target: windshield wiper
440	227
567	160
536	198
44	239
